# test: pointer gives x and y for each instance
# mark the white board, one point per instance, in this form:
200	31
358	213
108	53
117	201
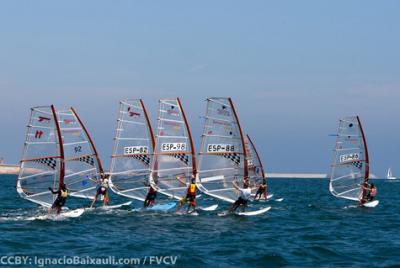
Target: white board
371	204
68	214
210	208
253	213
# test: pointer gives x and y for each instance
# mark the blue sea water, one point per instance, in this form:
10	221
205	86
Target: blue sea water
308	228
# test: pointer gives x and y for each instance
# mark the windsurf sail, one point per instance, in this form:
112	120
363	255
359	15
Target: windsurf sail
350	167
223	155
174	160
389	173
42	160
133	151
82	164
256	169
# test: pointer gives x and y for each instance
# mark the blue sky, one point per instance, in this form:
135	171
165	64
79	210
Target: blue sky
292	68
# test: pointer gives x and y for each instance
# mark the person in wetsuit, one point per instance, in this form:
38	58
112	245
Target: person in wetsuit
102	191
262	190
366	192
62	195
190	197
244	196
373	192
150	197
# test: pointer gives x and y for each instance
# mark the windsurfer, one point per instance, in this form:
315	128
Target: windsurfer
244	196
190	197
102	190
369	192
262	190
372	193
150	197
62	195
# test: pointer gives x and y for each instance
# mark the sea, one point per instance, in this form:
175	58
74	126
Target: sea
308	228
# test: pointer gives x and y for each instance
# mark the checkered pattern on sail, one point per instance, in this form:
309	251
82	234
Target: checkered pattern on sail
233	157
50	162
183	157
87	159
144	158
357	164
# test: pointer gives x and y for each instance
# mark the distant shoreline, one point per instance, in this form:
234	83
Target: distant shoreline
8	169
296	175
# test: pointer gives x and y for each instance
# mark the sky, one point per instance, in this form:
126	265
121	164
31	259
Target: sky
292	68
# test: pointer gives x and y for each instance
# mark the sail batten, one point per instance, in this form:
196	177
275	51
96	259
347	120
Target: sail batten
133	150
350	165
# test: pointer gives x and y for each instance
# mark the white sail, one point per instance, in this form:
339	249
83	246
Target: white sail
350	167
255	167
133	149
389	175
174	161
222	156
41	164
82	164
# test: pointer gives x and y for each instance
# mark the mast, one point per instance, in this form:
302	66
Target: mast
190	137
246	171
366	177
153	140
61	147
90	140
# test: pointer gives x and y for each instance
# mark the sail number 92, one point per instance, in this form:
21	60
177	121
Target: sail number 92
220	148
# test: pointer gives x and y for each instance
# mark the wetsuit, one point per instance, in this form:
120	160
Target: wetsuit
243	199
150	197
262	190
60	200
102	190
190	195
372	194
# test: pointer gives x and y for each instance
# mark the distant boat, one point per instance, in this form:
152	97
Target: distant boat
350	167
389	175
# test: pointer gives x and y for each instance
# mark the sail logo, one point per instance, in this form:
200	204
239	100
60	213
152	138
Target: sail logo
133	114
43	119
220	148
173	112
68	121
349	157
218	122
136	150
173	147
223	112
38	134
175	125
